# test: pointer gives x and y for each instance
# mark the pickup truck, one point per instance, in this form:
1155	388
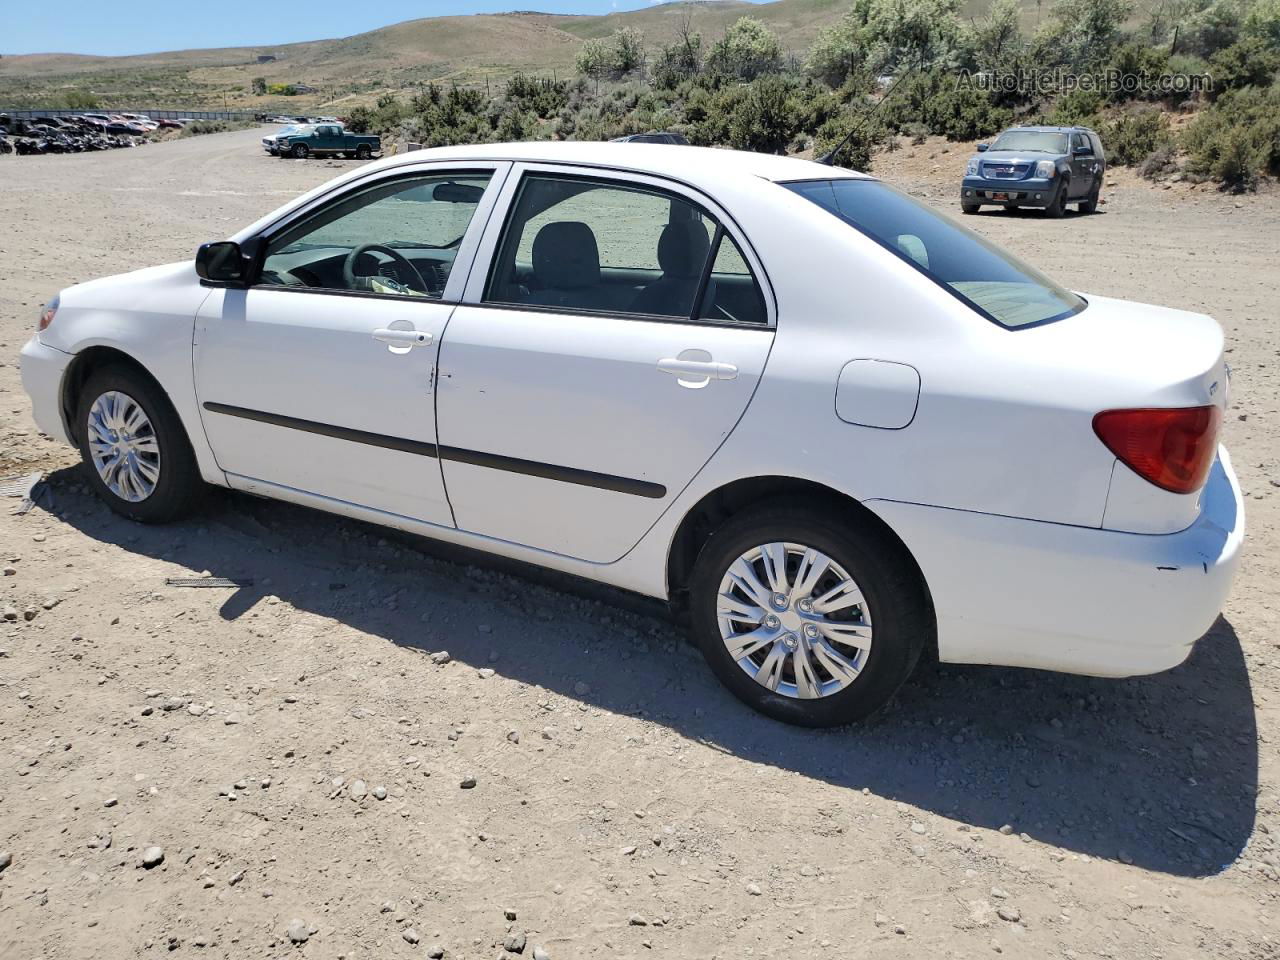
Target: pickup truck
305	140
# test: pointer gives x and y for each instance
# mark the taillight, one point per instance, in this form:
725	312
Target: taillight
1172	448
46	314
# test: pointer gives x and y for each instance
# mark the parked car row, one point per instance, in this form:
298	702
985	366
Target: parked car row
77	134
264	118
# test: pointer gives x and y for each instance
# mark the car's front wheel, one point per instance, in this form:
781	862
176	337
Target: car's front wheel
811	619
1058	205
299	151
135	448
970	208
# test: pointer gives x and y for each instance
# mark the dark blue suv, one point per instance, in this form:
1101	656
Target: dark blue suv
1045	167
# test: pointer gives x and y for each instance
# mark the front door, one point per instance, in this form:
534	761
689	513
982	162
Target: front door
319	377
596	366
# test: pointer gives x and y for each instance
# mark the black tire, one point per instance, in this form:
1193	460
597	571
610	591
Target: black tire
179	486
970	208
363	152
900	611
1058	205
299	151
1090	203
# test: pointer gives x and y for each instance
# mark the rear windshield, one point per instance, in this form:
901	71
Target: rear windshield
1034	141
1001	288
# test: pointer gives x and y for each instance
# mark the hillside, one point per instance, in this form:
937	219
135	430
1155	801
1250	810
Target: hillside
465	49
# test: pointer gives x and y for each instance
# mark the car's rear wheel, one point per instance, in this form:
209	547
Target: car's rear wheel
363	152
970	207
1090	203
810	619
299	151
135	448
1058	205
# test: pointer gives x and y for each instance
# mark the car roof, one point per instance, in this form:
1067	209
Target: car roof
1045	129
698	165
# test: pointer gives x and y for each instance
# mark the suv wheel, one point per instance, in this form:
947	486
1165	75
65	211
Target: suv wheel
1090	203
1058	205
135	448
970	207
299	151
783	602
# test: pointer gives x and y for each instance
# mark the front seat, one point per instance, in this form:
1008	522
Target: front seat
566	266
682	255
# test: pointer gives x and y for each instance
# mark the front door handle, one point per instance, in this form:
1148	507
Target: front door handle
697	372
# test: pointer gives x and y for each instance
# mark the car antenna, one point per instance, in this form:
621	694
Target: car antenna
829	158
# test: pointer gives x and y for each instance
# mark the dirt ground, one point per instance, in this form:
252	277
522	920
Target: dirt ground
298	748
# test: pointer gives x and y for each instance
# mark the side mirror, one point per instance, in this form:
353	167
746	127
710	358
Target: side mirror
982	147
1082	151
221	262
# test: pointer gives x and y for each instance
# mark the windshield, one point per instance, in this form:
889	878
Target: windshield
1001	288
1034	141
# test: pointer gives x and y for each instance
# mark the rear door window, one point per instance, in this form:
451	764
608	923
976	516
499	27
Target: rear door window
599	246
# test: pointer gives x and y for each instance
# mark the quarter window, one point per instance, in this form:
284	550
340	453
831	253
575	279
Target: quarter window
396	238
600	247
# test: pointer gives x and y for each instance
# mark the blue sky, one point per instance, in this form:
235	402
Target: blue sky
147	26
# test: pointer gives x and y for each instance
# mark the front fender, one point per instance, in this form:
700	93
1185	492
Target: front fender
148	316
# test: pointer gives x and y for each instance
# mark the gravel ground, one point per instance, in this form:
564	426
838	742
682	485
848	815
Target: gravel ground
297	765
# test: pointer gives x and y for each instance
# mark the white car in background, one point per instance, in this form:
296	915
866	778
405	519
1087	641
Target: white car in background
829	424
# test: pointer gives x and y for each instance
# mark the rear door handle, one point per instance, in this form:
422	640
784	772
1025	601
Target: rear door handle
698	369
402	338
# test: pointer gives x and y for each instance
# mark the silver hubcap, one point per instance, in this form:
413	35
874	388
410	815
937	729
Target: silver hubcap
794	620
124	447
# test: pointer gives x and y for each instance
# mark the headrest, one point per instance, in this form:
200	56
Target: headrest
683	248
565	256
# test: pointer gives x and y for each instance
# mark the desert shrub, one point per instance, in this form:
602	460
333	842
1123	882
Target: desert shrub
918	132
359	119
1145	63
678	61
945	106
1236	138
1131	136
1250	62
867	135
1163	159
840	49
1075	107
619	55
747	50
539	95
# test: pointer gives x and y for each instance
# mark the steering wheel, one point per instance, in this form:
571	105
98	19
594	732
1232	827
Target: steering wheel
350	277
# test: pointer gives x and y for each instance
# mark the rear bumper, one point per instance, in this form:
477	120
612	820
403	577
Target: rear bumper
42	370
1020	193
1074	599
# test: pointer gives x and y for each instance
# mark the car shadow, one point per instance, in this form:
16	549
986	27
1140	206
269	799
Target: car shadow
1160	771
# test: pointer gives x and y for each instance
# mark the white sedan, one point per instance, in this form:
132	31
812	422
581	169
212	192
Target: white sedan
834	428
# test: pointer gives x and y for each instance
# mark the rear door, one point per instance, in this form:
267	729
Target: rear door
613	331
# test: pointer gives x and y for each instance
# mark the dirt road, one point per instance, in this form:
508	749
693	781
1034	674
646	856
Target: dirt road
299	748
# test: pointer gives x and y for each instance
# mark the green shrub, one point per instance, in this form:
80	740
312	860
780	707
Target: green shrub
1131	136
1246	63
1075	107
1236	138
747	50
